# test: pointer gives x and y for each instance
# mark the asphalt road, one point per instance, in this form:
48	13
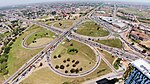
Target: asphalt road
51	46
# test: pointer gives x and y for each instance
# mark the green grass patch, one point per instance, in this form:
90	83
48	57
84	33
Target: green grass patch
108	56
19	55
45	76
73	53
40	34
64	24
111	42
116	64
90	28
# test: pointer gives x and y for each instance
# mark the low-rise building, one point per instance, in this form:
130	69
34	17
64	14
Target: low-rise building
137	35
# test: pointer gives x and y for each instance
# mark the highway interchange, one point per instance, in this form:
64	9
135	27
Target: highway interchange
68	33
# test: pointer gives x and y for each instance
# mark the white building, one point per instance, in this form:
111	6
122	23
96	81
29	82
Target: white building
140	73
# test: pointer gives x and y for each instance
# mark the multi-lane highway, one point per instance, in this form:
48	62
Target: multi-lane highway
46	49
68	33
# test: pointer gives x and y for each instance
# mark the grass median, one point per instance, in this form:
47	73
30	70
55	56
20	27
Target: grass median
65	24
111	42
90	28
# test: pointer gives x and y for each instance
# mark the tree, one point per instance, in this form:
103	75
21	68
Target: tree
77	70
77	62
59	56
46	33
66	71
62	66
71	44
64	61
81	69
89	38
10	43
67	65
72	70
68	59
41	64
132	43
7	49
56	66
60	24
73	61
74	65
55	57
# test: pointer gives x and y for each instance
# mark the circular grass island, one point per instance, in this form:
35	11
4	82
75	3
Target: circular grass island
40	38
72	57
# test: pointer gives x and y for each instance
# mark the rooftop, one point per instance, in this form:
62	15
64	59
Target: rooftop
114	21
142	66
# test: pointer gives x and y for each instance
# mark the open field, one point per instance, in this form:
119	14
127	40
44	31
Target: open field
90	28
19	55
68	53
40	33
64	24
108	56
46	76
111	42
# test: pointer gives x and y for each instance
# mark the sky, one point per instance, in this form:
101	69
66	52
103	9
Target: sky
17	2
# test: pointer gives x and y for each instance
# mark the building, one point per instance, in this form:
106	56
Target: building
135	34
115	22
138	72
